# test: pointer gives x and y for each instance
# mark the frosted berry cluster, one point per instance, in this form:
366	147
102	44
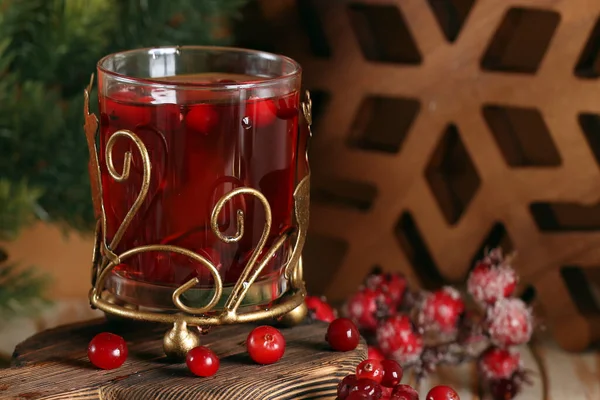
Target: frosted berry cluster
423	329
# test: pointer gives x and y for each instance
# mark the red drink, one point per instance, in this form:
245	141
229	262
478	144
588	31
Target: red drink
205	137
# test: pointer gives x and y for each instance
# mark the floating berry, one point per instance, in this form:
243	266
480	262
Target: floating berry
503	389
342	335
370	369
392	373
368	387
375	353
107	350
201	361
128	108
343	388
287	108
441	310
442	393
319	309
393	286
404	392
265	344
202	118
260	112
364	306
399	340
498	363
489	283
509	322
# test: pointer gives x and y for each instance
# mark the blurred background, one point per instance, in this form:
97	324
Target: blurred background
442	127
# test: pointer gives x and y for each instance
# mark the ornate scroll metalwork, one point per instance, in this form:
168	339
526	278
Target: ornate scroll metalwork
105	259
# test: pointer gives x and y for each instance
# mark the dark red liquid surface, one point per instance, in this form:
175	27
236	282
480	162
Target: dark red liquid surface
201	147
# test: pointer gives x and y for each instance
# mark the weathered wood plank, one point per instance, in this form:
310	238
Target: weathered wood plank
54	365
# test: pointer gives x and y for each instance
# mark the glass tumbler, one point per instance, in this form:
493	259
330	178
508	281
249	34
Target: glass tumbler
212	120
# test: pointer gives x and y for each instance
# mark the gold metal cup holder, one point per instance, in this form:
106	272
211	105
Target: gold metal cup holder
288	308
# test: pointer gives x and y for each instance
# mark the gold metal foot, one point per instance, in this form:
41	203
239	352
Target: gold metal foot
179	340
295	317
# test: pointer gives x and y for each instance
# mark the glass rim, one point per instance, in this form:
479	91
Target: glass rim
247	84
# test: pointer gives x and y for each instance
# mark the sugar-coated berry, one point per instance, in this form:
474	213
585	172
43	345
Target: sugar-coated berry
201	361
319	309
392	373
342	334
265	345
364	306
107	350
509	322
489	282
370	369
503	389
368	387
343	388
398	339
375	353
404	392
441	310
392	286
498	363
442	393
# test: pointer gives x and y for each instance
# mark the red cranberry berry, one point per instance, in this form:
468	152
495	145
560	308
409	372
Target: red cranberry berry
201	361
399	340
265	345
358	396
392	286
260	112
287	108
489	283
107	350
342	335
386	392
498	363
125	109
375	354
370	369
442	393
441	310
509	322
404	392
503	389
364	306
320	309
202	118
392	373
345	385
368	387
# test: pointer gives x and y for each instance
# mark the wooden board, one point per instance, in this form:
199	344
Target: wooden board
444	126
54	365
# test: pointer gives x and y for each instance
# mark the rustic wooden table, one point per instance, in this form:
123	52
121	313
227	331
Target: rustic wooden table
54	365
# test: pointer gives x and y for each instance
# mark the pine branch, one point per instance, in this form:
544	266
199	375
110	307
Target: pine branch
17	205
20	290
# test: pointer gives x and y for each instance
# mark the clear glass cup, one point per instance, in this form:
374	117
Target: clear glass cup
212	120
